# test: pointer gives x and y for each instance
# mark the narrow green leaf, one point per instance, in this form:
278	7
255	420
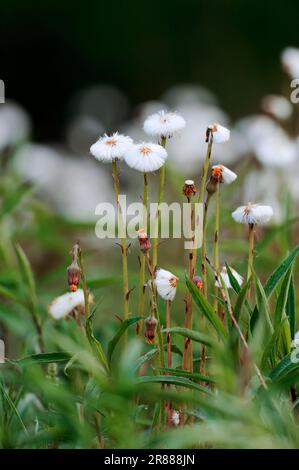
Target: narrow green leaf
206	309
262	303
194	335
173	380
187	374
145	358
42	358
291	307
288	364
233	281
13	408
124	325
95	344
280	271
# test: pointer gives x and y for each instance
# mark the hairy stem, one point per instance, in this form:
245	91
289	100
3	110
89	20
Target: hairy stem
204	246
123	241
142	259
187	355
216	240
158	214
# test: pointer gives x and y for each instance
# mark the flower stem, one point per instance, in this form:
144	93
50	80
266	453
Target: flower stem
169	357
250	251
216	239
187	355
123	241
142	259
204	246
158	214
84	283
203	184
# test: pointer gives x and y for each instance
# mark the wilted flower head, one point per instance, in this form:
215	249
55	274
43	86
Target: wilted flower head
290	61
225	278
189	188
144	241
111	147
222	174
64	305
219	133
150	327
146	157
164	124
166	283
253	214
73	274
197	280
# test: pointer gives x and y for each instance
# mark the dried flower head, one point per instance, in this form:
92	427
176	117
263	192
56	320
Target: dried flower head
218	133
146	157
253	214
166	283
197	280
150	328
144	241
225	277
189	188
222	174
111	147
65	304
164	124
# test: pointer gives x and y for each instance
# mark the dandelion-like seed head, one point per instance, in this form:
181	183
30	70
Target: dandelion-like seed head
164	124
253	214
218	133
166	283
146	157
110	148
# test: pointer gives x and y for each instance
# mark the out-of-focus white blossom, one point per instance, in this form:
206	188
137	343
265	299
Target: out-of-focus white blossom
15	124
166	283
175	418
290	61
111	147
278	106
253	214
164	124
146	157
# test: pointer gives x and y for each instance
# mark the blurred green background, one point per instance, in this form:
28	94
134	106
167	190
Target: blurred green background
51	49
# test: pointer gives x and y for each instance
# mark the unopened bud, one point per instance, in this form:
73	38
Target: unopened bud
144	241
189	188
73	274
150	328
197	281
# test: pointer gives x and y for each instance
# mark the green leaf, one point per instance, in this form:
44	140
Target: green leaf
286	366
280	271
262	303
13	408
194	335
241	299
282	298
42	358
95	344
124	325
26	273
270	351
187	374
172	380
233	281
291	307
15	199
145	358
206	309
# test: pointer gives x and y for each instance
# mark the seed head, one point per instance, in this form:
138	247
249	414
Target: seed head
189	188
150	328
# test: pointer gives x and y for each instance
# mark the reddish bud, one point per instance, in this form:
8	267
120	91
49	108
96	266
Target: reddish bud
73	274
189	188
150	328
197	281
144	241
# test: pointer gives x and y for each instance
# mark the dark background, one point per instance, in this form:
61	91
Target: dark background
51	49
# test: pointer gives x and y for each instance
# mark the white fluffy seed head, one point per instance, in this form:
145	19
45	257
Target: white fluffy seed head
111	147
225	277
166	283
220	133
224	174
164	124
189	182
253	214
290	61
146	157
63	305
